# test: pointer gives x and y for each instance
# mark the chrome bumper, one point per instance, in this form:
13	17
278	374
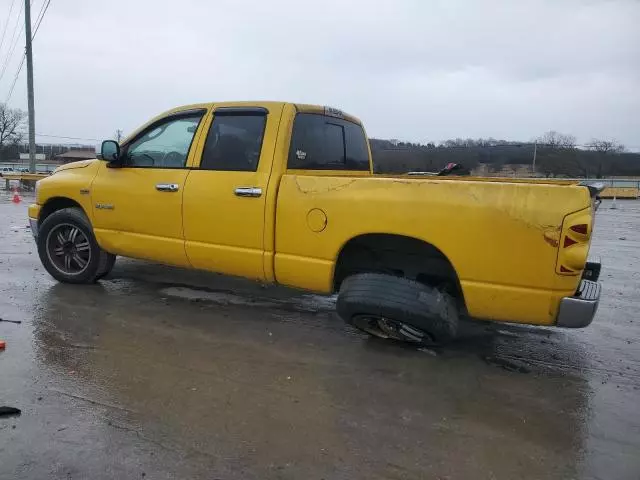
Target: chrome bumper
33	223
578	311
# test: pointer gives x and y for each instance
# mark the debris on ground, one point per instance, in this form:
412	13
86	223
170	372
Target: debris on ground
507	333
428	351
509	365
9	411
17	322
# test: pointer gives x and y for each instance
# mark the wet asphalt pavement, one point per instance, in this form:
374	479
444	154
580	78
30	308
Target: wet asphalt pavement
163	373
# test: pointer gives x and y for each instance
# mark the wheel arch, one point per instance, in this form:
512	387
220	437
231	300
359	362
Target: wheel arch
58	203
399	255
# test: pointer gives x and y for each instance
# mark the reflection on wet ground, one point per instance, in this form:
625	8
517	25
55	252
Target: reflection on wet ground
178	374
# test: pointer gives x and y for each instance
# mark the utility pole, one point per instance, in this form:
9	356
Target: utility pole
535	150
30	107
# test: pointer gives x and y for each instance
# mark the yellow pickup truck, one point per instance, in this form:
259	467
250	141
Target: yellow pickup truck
285	193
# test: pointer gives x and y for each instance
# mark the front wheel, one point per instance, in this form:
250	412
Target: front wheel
108	260
397	308
67	247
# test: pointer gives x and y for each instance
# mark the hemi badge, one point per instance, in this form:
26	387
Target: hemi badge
84	191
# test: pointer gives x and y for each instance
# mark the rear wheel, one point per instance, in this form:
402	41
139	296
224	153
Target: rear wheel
67	247
397	308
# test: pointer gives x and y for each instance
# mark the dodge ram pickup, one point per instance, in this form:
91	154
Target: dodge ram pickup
285	193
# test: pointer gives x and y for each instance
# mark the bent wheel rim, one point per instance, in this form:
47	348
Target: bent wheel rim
68	249
383	327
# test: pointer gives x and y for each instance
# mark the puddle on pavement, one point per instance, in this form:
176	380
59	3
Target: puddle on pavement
303	303
215	297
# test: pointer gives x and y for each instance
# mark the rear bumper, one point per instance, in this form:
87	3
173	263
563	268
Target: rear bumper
578	311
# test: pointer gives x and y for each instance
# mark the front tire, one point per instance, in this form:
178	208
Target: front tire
68	248
107	262
397	308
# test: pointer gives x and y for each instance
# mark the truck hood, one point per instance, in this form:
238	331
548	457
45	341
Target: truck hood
72	165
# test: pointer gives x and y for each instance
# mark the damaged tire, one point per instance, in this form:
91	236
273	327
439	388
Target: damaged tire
397	308
68	248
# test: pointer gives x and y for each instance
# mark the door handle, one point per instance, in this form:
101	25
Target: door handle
248	192
167	187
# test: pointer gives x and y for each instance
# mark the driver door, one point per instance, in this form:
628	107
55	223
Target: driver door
137	205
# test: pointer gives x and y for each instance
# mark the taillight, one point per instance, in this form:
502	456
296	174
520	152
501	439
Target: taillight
576	234
581	228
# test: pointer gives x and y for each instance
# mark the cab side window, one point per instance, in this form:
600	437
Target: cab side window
234	140
164	145
321	142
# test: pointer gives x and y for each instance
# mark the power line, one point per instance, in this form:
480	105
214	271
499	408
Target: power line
14	41
41	14
44	2
6	24
43	10
15	79
65	137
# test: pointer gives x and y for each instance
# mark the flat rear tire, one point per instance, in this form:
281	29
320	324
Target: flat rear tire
397	308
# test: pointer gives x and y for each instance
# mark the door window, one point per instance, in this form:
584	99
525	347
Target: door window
234	141
164	145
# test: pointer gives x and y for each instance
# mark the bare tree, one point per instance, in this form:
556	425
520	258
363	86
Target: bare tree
605	151
557	140
118	135
606	146
11	121
558	156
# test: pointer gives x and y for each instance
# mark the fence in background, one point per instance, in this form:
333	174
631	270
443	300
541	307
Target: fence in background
40	167
615	182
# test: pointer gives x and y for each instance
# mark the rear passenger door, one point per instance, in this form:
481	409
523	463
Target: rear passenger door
225	194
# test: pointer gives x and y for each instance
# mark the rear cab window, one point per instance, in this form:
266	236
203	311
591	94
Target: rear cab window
327	142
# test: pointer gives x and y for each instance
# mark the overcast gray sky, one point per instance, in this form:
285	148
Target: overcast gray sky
416	70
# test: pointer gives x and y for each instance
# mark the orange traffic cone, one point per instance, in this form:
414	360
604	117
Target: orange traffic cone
16	196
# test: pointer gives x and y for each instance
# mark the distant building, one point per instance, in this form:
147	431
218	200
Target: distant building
39	157
75	155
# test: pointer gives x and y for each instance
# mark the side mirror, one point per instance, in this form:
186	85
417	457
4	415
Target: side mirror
110	151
